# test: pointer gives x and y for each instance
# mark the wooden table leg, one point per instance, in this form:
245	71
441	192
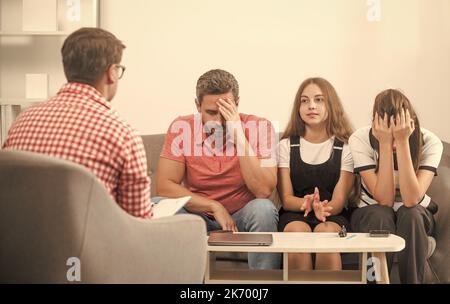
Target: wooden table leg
285	267
210	265
363	267
384	273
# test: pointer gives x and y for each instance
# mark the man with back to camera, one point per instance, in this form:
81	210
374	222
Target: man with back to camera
80	125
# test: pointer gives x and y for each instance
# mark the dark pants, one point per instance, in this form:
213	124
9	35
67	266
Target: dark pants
414	225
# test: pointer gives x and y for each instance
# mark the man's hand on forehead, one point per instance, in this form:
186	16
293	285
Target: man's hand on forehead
228	109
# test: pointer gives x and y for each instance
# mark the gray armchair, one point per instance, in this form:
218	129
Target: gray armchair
52	210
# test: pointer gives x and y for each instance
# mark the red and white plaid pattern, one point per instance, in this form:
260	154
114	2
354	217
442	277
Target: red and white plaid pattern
79	125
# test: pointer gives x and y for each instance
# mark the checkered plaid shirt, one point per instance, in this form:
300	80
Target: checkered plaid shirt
80	125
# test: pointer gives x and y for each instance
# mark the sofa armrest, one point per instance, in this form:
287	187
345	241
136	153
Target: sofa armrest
438	191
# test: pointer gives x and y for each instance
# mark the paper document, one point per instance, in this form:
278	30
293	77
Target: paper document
169	206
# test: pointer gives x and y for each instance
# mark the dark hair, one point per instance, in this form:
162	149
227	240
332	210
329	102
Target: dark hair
217	82
88	52
392	102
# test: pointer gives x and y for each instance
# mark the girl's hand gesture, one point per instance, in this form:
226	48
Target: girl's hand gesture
381	129
307	204
404	126
321	209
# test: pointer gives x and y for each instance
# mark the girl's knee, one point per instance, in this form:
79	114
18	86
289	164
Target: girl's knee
327	227
297	226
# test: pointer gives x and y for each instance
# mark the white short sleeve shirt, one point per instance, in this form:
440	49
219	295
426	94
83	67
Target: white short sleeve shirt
313	154
365	158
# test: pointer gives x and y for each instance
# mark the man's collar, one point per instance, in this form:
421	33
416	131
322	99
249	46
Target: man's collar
86	90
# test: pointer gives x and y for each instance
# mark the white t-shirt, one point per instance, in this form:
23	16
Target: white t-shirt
313	154
365	158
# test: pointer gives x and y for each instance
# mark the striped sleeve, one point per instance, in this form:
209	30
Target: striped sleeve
431	152
362	152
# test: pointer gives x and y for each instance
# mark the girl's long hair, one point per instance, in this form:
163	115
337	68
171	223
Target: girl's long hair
337	123
391	102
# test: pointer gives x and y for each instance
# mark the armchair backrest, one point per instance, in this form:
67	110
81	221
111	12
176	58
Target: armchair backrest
53	210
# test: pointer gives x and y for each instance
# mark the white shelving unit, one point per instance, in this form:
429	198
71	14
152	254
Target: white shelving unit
18	101
27	52
21	33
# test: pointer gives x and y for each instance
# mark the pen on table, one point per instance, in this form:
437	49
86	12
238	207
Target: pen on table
350	236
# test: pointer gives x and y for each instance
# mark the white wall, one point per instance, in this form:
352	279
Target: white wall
269	45
272	45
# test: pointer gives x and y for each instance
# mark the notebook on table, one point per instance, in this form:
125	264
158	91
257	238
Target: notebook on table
239	239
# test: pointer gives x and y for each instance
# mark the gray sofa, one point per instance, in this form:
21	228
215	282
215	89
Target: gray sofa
438	269
52	210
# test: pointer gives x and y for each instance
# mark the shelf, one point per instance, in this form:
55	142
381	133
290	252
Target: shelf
325	277
18	101
21	34
246	276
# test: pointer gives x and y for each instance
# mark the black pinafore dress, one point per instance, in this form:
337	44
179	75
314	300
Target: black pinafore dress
305	177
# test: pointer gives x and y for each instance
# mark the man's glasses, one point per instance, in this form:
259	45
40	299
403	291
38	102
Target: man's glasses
121	70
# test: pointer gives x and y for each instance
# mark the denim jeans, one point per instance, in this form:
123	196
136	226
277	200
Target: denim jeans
259	215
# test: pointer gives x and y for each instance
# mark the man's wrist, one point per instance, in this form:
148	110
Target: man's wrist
241	143
214	206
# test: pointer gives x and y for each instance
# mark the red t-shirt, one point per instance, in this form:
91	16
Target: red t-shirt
216	173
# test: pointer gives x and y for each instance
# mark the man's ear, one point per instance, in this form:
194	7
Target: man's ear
111	75
198	105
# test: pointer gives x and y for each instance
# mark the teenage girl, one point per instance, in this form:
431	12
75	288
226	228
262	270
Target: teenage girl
397	160
315	173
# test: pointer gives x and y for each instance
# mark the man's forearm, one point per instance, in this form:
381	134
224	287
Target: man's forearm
197	204
260	180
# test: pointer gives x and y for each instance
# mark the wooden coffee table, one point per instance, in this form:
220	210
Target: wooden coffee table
293	242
